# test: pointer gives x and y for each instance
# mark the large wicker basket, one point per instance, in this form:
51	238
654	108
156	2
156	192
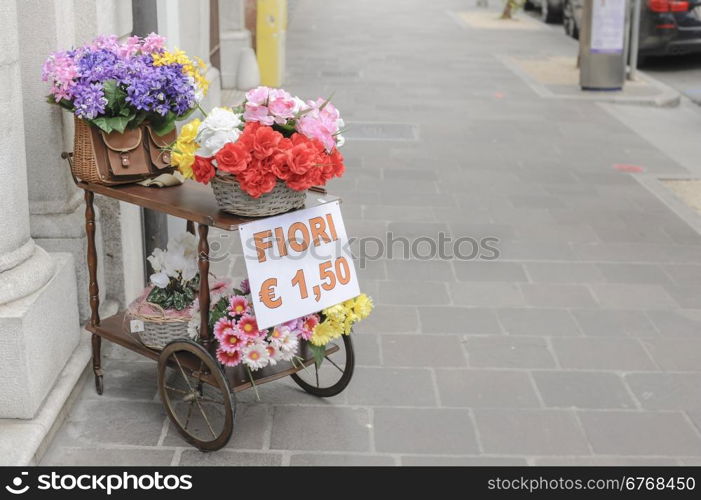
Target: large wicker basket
158	327
234	200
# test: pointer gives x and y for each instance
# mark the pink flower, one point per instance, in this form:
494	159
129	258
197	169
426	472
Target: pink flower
281	105
227	358
231	340
238	305
245	286
223	327
153	43
308	325
314	128
248	326
254	113
257	96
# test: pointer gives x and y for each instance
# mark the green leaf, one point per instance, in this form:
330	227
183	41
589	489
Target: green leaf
318	352
119	123
102	123
162	127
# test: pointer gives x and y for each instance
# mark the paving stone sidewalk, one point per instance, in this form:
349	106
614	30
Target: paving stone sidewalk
580	344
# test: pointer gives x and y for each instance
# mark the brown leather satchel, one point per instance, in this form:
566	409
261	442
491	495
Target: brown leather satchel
119	158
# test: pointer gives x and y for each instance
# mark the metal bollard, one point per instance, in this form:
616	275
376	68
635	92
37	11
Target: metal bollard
271	27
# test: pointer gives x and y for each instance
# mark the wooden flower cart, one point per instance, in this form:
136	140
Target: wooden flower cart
198	394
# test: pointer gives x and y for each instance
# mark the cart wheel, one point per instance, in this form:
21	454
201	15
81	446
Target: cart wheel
196	395
99	385
334	374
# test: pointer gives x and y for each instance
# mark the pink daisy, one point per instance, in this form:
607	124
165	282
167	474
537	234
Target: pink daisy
228	358
278	333
273	354
308	325
256	355
222	327
238	305
245	286
231	340
248	326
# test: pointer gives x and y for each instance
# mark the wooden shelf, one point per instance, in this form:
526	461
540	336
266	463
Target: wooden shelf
191	201
115	329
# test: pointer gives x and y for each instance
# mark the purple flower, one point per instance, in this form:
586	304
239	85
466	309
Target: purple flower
89	100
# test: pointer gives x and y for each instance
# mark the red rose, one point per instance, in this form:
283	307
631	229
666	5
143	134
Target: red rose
256	181
279	165
203	169
337	161
233	158
265	142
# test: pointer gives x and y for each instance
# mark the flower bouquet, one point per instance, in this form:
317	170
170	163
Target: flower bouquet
241	343
126	98
262	156
163	311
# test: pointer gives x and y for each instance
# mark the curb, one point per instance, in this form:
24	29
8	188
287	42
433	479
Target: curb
667	97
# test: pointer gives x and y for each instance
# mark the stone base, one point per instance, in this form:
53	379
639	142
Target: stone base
38	333
64	232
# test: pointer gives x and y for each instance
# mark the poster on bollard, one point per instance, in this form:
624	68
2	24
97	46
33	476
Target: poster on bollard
298	263
608	21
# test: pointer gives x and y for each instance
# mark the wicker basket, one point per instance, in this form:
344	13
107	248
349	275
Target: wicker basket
84	165
159	329
234	200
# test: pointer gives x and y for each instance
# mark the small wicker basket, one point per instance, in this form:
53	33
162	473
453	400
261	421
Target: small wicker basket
234	200
84	164
159	329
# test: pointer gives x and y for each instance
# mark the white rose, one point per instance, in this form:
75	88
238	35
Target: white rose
159	280
211	142
219	120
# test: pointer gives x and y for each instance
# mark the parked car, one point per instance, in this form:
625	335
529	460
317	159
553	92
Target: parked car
666	26
550	10
572	17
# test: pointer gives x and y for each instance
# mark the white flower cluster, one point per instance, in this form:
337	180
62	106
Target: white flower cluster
220	127
179	261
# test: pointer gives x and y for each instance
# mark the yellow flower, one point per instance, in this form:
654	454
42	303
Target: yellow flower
335	313
190	68
363	306
189	131
324	333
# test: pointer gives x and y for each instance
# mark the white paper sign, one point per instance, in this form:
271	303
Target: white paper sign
608	26
298	263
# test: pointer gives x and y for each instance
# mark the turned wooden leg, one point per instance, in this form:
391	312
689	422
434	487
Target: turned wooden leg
203	256
93	288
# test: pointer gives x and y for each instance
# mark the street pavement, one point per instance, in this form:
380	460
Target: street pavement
580	344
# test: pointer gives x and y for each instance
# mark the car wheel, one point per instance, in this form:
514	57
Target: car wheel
568	20
547	14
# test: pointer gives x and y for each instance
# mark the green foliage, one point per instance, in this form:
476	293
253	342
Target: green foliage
175	295
318	352
219	311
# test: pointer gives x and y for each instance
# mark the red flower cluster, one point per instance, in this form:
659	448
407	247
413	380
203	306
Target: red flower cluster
262	155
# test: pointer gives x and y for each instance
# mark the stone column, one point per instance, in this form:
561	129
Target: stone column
38	305
233	37
55	204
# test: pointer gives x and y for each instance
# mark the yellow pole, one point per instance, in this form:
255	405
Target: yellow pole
271	24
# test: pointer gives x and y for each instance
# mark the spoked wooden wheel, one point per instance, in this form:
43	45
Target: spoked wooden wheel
196	395
335	372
